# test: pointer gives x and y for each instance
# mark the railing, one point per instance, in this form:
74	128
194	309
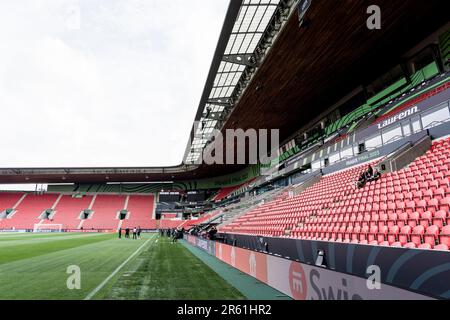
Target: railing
394	138
436	123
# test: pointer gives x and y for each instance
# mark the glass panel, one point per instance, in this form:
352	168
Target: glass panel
392	134
436	117
315	165
416	124
335	157
373	142
346	153
406	129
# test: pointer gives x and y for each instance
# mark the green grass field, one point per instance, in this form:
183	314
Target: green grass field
34	266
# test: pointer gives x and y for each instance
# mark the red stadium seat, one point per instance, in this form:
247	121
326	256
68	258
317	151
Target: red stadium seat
402	219
403	236
425	219
441	247
372	235
417	234
444	236
382	234
393	234
410	206
431	235
421	206
413	219
445	204
439	218
433	205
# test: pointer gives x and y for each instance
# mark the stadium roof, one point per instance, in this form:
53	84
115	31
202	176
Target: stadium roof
231	68
306	70
248	25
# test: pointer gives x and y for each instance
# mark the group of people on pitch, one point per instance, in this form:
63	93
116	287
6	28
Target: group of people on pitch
174	233
136	232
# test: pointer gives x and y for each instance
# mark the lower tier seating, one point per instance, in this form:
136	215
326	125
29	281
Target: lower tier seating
408	208
105	212
29	211
67	211
140	212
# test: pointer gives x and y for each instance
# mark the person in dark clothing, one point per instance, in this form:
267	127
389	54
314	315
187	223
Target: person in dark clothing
127	232
376	175
372	174
362	180
212	233
174	235
369	172
139	232
120	233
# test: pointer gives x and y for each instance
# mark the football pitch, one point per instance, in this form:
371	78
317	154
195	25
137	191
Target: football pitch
101	266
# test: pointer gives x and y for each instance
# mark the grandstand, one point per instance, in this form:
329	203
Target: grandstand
343	97
68	211
406	208
140	212
29	211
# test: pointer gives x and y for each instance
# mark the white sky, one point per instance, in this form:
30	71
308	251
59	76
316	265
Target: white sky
102	82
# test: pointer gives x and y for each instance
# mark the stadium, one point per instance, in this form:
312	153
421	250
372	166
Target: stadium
350	200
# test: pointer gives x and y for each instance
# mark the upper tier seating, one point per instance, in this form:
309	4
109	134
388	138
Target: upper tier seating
169	223
225	192
407	208
68	210
205	217
140	211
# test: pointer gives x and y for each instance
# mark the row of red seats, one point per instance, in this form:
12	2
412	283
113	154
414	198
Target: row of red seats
408	207
28	212
433	235
140	212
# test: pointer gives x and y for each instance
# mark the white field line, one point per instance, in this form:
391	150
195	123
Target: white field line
104	282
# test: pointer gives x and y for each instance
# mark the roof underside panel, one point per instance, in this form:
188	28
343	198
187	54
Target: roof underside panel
253	19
